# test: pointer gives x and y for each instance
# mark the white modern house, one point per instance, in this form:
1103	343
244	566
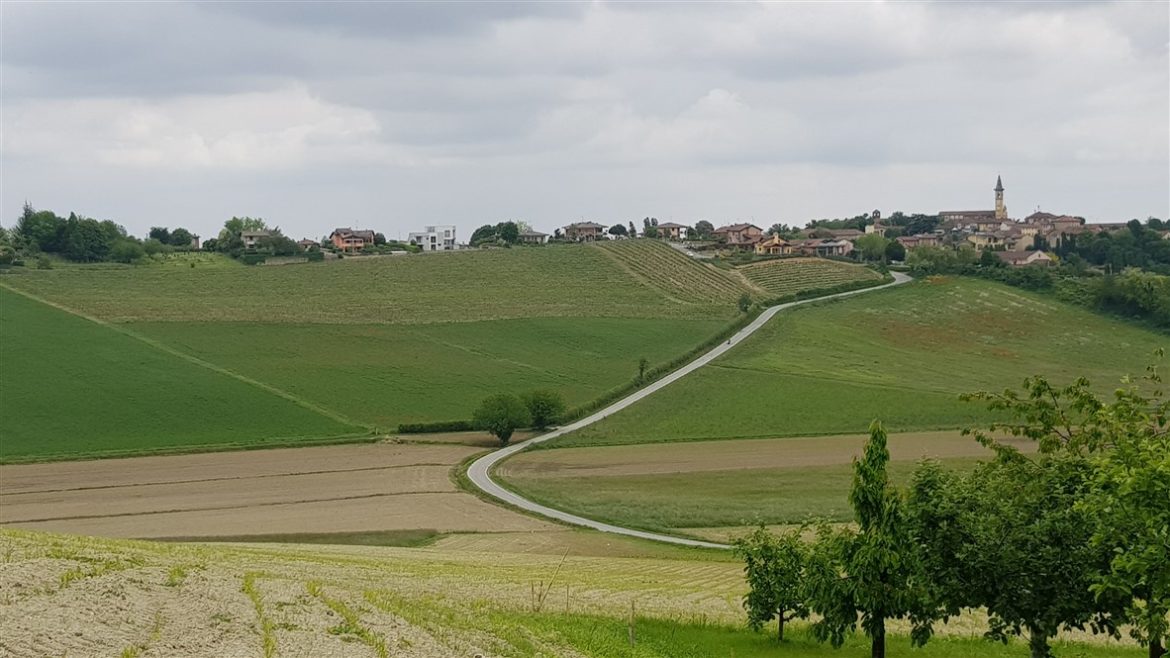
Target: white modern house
435	238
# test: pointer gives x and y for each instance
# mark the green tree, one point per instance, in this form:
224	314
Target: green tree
873	574
643	364
153	246
895	251
42	230
180	238
501	415
633	232
508	232
872	247
704	228
160	233
485	233
379	239
1127	439
744	303
544	407
619	230
774	569
127	250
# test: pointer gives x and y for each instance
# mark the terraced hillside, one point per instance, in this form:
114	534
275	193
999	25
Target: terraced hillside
787	276
80	596
676	275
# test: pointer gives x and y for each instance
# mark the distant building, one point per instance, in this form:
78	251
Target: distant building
967	217
584	232
822	247
1024	258
307	244
672	231
347	239
915	241
876	227
250	238
845	233
774	246
740	236
435	238
533	237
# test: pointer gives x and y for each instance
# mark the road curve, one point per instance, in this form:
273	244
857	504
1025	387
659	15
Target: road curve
480	470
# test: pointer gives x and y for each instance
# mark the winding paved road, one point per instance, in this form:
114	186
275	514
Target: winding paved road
479	471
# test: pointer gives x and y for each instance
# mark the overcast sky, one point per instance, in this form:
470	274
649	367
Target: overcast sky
392	116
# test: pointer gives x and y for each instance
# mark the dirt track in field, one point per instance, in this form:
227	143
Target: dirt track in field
304	490
658	458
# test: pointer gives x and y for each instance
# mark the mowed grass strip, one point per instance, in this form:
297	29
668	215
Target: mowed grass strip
69	387
390	374
553	281
902	355
732	483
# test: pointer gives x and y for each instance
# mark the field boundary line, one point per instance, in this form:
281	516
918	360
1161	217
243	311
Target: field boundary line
479	472
301	402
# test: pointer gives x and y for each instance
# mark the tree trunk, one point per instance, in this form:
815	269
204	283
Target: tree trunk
780	627
1156	648
877	648
1038	642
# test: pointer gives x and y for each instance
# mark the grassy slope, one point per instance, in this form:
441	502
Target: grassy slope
387	374
71	386
375	339
902	355
413	601
553	281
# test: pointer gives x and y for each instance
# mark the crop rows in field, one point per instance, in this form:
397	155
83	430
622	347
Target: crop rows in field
675	274
792	275
552	281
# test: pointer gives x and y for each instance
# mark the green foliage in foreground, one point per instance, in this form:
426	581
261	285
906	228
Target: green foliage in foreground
903	355
72	387
529	634
1044	544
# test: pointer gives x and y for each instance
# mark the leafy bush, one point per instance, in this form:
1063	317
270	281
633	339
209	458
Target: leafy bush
440	426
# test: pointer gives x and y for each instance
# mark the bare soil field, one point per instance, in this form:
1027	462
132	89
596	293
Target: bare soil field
701	456
385	486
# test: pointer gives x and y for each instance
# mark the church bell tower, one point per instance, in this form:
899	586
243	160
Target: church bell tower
1000	209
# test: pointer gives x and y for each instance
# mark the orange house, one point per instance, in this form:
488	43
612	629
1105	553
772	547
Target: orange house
347	239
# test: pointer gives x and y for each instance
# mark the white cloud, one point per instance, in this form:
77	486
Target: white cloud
280	129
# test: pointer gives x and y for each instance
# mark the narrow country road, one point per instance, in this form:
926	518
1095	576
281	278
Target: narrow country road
479	471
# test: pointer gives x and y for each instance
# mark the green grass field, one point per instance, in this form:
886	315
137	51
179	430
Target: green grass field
70	386
373	341
901	355
390	374
668	502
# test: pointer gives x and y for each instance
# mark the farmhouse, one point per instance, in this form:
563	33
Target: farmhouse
774	246
347	239
916	241
434	238
250	238
822	247
1024	258
672	231
584	232
533	237
740	236
307	244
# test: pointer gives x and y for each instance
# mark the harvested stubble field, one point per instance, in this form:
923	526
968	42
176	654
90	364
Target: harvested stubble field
902	356
65	595
717	490
373	488
788	276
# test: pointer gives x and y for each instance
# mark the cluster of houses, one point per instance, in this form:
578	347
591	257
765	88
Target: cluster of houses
1016	242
